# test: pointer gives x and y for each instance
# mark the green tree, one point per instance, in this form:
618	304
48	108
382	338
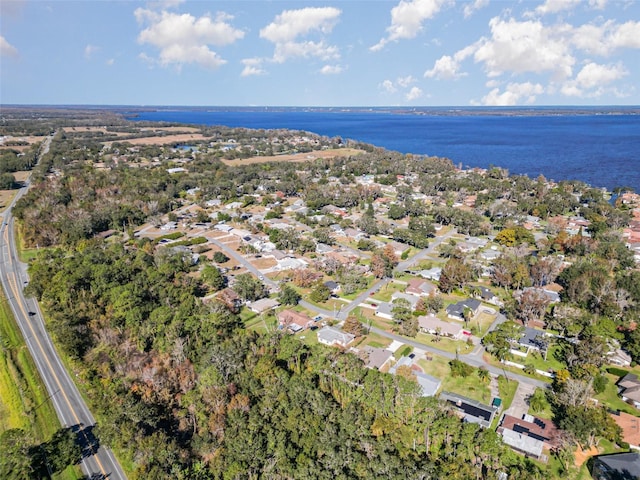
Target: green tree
220	257
7	181
320	293
289	296
212	276
249	288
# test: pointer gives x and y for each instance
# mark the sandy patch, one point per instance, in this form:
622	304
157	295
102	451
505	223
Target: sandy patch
164	140
21	176
102	130
297	157
263	263
30	140
5	198
582	456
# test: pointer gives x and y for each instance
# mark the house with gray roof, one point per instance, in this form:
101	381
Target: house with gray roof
376	358
430	385
456	310
332	336
629	388
471	410
618	466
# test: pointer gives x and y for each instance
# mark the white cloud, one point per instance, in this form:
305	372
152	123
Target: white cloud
252	66
593	75
413	94
471	8
528	46
407	18
447	67
89	50
592	80
515	94
110	62
404	82
605	38
287	28
598	4
184	39
331	70
6	49
555	6
388	86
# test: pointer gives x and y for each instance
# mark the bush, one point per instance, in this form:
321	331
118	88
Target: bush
617	371
460	369
220	257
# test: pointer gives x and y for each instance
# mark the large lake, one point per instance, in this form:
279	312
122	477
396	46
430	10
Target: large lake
600	146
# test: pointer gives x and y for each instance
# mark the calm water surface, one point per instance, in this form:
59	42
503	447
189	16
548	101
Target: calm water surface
600	149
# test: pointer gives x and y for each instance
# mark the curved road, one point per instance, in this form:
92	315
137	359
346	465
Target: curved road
97	462
474	358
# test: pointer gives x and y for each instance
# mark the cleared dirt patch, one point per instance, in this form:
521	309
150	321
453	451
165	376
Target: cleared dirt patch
164	140
30	140
297	157
21	176
5	198
262	263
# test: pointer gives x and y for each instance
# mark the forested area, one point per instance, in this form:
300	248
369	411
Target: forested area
162	368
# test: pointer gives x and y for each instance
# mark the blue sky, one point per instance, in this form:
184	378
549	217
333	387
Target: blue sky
325	53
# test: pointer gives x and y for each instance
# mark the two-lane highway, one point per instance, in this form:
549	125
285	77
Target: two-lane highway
97	461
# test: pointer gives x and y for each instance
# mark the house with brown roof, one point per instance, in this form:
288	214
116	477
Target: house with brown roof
230	299
294	321
420	287
540	434
377	358
630	426
433	325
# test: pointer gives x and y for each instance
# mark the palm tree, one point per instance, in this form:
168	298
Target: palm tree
484	375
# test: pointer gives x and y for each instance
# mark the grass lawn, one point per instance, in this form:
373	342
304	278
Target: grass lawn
540	363
24	400
471	386
507	389
384	294
261	323
612	400
372	340
446	344
25	254
545	413
482	322
493	361
309	337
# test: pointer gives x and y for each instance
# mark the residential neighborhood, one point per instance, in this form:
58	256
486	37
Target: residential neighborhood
508	302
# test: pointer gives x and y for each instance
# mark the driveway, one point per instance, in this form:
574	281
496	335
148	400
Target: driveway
519	406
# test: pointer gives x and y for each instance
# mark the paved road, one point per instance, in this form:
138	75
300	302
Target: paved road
98	462
474	358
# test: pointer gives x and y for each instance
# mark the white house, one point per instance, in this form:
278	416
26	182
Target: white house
332	336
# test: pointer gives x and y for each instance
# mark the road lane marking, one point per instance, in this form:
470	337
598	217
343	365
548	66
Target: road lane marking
15	291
